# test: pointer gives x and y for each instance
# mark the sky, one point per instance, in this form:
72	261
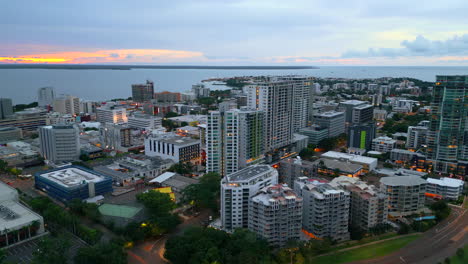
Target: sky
231	32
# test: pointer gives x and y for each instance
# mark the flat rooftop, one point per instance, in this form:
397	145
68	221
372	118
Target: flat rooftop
449	182
330	114
71	176
360	107
350	157
403	180
249	172
14	214
353	102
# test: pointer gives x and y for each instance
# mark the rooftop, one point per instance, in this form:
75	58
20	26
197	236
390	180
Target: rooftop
330	114
449	182
275	193
342	166
353	102
402	180
71	176
249	172
350	157
360	107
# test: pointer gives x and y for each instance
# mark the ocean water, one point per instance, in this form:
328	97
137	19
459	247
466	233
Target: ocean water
21	84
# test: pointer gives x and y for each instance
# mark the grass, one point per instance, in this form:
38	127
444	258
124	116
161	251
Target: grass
456	260
365	240
118	210
366	252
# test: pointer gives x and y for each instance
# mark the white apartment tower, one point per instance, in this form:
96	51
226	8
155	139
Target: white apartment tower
45	96
234	140
111	115
285	101
236	191
67	105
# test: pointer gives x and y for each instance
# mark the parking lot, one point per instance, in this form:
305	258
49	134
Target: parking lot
23	252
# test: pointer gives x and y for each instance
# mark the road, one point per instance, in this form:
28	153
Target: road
434	245
152	251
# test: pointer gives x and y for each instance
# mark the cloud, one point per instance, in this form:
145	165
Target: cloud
420	46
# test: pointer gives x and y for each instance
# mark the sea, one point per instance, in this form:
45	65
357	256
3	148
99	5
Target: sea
21	84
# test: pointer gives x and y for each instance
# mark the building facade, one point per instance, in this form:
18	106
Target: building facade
111	115
173	147
59	143
6	108
67	104
333	121
406	194
447	137
143	92
236	191
416	137
275	214
234	140
383	144
45	96
361	136
445	188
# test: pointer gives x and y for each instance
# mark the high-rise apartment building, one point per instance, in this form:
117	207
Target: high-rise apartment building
416	137
348	106
292	168
200	91
275	214
45	96
326	209
6	108
236	191
368	206
281	99
59	143
383	144
234	140
406	194
333	121
111	115
67	104
447	137
143	92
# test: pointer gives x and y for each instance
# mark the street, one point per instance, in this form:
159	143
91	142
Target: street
434	245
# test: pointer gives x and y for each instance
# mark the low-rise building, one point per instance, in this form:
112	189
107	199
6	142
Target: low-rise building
403	155
368	163
173	147
275	214
406	194
330	167
383	144
17	222
131	169
315	133
72	182
111	115
445	188
144	121
8	134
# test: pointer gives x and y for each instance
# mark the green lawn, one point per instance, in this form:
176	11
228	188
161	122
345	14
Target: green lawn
457	260
367	252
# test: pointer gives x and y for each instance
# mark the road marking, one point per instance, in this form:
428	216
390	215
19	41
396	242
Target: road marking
135	256
402	259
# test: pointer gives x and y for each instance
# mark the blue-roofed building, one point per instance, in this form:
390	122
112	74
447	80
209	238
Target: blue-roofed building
72	182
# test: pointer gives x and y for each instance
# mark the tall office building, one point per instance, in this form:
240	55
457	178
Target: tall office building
275	214
362	114
447	137
326	209
143	92
333	121
234	140
236	191
281	99
59	143
361	136
67	104
111	115
45	96
347	107
6	108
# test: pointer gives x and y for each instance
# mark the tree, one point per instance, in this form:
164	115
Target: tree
171	114
110	253
447	260
159	206
181	168
356	233
205	193
460	253
441	210
51	250
206	101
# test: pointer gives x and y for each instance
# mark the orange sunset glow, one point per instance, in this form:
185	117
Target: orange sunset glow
105	56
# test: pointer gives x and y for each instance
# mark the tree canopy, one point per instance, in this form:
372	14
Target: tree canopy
204	194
